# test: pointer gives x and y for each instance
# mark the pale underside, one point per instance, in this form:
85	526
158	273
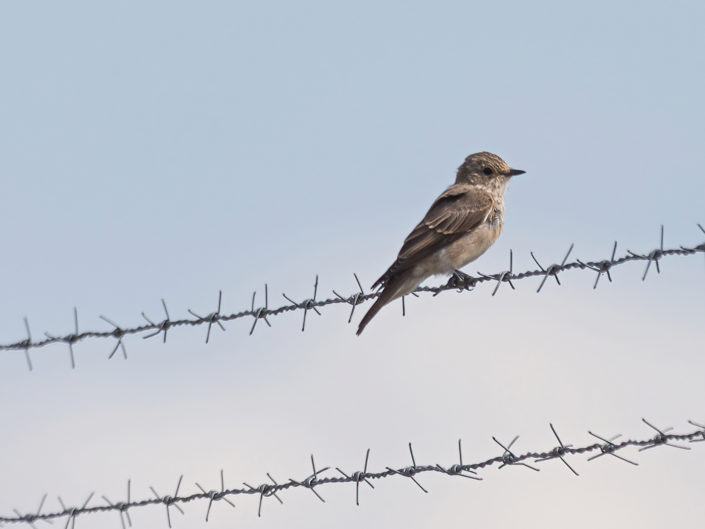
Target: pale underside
463	222
453	257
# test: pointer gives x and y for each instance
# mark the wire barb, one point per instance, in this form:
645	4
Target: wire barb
215	495
508	457
558	452
702	427
264	491
168	501
653	256
163	326
661	438
609	448
409	471
260	312
31	518
118	333
459	468
72	512
553	269
27	344
307	304
602	267
502	276
355	299
357	477
213	317
69	339
311	481
122	508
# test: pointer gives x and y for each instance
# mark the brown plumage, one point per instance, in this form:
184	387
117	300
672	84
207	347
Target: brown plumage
460	225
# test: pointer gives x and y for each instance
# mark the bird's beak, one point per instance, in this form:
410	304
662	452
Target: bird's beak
514	172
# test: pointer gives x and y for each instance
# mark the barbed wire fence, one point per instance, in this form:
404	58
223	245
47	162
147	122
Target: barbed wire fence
153	328
320	477
315	480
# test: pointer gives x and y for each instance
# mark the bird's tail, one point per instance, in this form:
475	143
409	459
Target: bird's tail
395	288
374	309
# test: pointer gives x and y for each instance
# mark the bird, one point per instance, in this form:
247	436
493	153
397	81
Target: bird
461	224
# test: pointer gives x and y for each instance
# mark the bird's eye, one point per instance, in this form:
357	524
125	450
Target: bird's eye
487	171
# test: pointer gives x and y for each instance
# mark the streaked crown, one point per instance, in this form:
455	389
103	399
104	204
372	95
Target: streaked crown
484	168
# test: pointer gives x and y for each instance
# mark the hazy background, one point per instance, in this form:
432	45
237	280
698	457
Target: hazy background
172	149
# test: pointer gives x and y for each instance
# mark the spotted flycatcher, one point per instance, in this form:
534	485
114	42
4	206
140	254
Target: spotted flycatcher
463	222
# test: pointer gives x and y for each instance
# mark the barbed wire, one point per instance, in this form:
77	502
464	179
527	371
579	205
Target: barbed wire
272	488
458	283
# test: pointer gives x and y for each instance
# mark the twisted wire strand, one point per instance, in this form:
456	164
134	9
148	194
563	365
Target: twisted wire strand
153	328
315	479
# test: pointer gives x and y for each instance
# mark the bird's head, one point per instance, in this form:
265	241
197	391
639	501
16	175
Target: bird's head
485	169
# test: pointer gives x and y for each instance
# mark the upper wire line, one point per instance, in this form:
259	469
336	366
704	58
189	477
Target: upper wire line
155	326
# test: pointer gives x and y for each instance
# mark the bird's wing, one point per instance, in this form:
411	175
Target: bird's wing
458	210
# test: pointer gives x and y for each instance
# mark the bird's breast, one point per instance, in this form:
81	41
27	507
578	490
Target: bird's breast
470	246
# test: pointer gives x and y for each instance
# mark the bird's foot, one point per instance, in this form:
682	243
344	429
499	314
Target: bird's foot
461	281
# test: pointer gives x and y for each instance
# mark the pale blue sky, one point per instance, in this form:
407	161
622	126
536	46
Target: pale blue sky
171	149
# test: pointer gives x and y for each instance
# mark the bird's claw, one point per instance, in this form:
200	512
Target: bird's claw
461	280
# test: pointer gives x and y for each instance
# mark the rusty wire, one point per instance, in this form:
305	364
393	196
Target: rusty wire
154	327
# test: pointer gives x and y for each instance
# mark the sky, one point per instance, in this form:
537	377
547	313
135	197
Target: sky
171	150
